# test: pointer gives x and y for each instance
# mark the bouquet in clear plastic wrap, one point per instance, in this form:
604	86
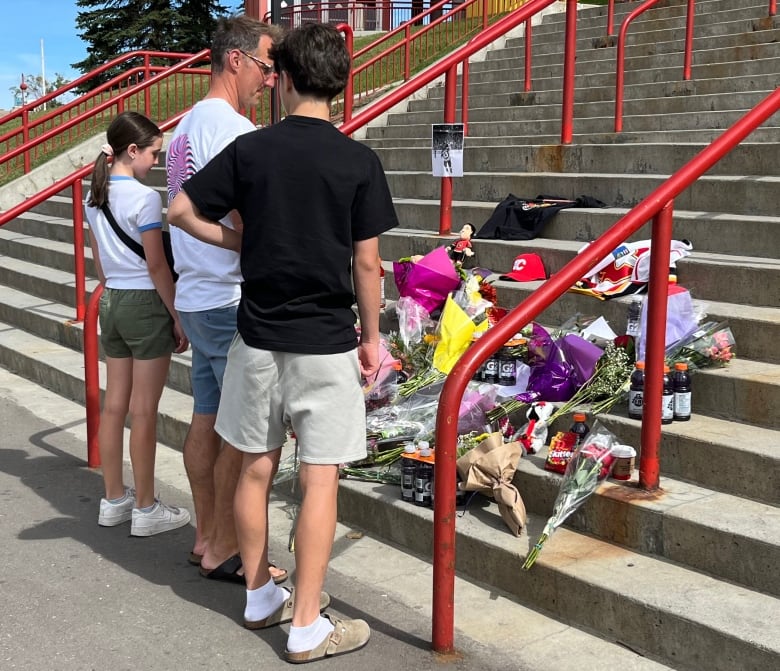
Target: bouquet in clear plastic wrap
712	344
589	465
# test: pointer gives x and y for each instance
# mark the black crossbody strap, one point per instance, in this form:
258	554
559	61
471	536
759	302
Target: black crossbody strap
124	237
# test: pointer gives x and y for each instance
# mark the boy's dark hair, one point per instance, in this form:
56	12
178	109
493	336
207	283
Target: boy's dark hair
316	58
239	32
127	128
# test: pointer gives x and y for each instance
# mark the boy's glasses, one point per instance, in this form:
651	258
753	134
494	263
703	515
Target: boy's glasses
266	69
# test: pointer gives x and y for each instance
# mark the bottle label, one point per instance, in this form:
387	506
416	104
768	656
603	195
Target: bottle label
506	372
635	402
667	407
491	370
682	404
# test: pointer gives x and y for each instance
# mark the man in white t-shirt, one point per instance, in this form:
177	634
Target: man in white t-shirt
208	289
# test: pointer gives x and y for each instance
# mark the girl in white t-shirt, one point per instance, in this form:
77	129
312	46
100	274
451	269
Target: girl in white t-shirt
139	326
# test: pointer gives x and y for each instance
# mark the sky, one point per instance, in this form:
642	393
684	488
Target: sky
27	22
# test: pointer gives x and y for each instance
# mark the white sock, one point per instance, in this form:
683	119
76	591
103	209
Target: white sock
263	601
302	639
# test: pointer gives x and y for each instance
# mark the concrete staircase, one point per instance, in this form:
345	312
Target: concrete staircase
686	577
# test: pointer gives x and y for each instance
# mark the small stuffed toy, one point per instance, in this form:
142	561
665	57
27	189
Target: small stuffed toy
462	247
533	435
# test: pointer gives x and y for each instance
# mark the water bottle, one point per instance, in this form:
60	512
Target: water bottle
423	480
506	369
579	428
408	468
636	392
667	400
681	382
634	317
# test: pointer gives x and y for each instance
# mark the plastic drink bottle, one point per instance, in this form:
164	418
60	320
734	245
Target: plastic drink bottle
681	381
667	400
636	392
634	317
580	428
423	480
408	469
506	369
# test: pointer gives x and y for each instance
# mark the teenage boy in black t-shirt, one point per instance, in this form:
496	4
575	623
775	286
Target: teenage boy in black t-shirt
313	203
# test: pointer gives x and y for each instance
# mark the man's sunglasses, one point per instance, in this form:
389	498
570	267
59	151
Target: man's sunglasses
266	69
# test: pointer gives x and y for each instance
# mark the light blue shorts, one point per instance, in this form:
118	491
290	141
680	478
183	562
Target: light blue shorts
317	395
210	333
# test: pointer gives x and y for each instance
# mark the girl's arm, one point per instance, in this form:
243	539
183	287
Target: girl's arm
96	257
163	280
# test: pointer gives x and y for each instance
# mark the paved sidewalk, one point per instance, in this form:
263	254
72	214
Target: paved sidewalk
77	596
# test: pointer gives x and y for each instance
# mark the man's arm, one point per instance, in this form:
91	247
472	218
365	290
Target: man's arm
183	214
365	274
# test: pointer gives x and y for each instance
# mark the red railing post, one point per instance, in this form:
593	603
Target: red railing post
92	377
688	57
658	292
26	138
464	95
407	54
527	86
147	90
569	65
772	7
77	196
485	12
611	18
450	93
349	89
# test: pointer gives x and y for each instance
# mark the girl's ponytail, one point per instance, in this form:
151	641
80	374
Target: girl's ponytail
98	193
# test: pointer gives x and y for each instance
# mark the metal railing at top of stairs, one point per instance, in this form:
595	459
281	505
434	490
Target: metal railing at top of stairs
132	88
621	47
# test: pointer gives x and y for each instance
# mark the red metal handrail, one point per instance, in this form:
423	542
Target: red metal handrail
398	59
656	206
62	119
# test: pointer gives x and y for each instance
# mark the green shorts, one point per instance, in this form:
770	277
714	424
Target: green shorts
135	323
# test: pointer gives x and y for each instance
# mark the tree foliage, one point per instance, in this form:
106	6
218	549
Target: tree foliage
35	87
114	27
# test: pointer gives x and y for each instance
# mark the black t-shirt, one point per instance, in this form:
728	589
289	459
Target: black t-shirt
305	193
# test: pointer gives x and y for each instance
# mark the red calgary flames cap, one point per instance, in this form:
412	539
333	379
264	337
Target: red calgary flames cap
526	268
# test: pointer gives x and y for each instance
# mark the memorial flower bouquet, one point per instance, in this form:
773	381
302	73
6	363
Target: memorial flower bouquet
589	465
712	344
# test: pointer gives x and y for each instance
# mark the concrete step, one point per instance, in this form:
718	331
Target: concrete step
731	195
703	136
512	93
540	110
549	52
508	69
723	20
746	159
759	236
656	78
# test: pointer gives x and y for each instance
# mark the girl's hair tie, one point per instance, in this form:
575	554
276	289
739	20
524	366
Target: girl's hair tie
107	149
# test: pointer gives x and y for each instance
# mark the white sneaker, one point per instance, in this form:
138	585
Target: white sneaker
112	514
159	519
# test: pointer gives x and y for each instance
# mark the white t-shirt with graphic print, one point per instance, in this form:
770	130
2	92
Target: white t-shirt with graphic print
209	276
